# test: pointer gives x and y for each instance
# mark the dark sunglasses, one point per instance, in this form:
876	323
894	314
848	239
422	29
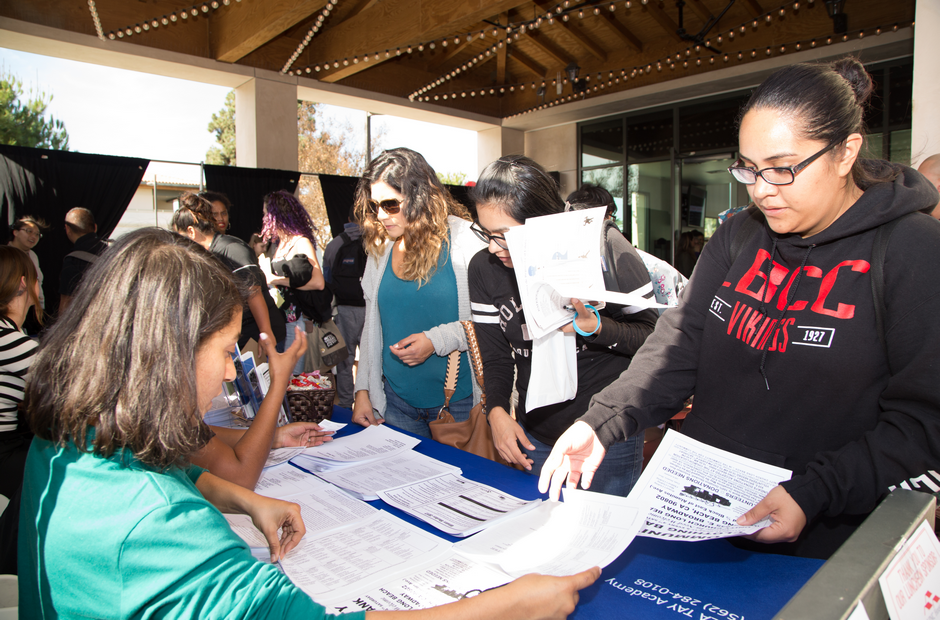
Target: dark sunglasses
390	206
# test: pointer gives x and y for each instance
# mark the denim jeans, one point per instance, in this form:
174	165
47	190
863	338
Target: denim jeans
415	420
617	474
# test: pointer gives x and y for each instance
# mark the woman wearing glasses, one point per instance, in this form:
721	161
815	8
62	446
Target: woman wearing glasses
778	335
511	190
416	294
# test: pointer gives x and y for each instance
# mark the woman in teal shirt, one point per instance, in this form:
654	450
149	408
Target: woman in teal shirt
416	294
115	522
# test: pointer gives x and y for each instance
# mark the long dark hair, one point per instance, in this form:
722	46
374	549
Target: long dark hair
121	359
194	211
15	265
518	186
827	103
426	207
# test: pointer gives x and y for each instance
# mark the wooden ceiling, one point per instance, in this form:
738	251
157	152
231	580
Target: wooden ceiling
489	57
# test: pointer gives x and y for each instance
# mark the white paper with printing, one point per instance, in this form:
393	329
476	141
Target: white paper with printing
911	583
367	445
696	492
366	480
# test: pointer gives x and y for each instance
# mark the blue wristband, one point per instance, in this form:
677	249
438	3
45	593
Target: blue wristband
574	323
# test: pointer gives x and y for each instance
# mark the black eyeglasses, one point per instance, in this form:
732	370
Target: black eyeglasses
487	237
775	176
390	206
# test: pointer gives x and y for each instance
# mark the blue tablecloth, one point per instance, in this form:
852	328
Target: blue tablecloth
652	579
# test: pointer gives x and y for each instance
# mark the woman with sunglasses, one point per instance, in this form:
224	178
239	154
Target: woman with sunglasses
511	190
777	335
415	289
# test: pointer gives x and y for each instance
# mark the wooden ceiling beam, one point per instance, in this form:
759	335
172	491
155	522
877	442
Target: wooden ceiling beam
501	54
700	9
611	22
233	34
394	24
664	20
584	41
755	8
528	63
548	48
452	52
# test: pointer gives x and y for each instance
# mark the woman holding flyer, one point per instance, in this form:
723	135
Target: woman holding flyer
809	335
511	190
110	463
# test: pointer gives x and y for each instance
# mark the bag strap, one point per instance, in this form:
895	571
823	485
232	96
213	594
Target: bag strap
450	379
476	360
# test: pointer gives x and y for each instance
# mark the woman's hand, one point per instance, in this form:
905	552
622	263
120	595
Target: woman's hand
362	410
414	349
788	518
576	456
270	515
281	365
507	435
540	597
300	434
587	321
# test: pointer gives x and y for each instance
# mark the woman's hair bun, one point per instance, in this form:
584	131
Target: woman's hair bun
853	72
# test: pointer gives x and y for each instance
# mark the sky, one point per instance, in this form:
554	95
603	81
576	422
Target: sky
118	112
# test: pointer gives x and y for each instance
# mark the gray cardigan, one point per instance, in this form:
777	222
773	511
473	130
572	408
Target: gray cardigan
445	338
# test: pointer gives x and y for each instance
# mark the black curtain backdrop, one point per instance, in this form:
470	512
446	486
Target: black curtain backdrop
339	194
246	188
48	183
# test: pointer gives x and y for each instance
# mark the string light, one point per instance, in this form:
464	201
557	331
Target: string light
321	18
153	23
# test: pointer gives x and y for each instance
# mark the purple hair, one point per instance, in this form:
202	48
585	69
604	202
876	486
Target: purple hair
284	214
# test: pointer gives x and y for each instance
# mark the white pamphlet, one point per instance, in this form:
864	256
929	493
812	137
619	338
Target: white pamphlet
587	530
696	492
456	505
369	444
366	480
911	583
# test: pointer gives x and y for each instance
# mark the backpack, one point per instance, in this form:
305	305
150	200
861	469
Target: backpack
346	275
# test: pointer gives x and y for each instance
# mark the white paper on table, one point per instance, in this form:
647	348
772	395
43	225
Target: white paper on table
323	508
455	505
330	425
911	583
284	480
282	455
588	529
432	584
549	253
367	445
696	492
553	377
362	556
366	480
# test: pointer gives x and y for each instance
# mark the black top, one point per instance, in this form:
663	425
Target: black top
503	337
73	267
241	259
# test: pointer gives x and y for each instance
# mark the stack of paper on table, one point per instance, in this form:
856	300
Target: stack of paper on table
365	480
282	455
372	443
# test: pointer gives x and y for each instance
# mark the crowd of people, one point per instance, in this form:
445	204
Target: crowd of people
102	435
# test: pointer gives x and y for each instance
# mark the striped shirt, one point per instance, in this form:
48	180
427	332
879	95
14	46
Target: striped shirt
16	354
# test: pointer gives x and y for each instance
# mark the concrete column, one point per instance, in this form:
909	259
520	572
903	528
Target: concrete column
496	142
925	119
266	123
556	149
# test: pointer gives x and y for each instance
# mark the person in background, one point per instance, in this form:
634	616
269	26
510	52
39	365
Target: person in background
19	292
930	168
27	231
194	220
257	244
691	243
344	262
221	207
81	229
509	191
293	267
415	289
851	415
111	461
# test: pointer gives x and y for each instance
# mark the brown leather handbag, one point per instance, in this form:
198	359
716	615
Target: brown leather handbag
473	434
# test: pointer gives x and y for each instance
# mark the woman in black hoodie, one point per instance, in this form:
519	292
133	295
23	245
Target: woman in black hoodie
778	336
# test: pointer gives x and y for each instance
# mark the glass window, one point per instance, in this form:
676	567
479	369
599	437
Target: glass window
901	147
902	86
610	179
602	144
710	126
649	136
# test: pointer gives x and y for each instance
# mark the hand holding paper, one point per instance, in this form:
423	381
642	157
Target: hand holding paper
787	516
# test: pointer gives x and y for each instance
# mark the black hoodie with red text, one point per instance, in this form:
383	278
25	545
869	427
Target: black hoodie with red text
794	373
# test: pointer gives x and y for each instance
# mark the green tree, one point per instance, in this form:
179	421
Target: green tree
452	178
223	126
23	119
